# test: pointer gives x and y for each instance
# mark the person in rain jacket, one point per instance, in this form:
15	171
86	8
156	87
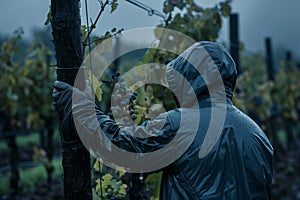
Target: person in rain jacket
210	149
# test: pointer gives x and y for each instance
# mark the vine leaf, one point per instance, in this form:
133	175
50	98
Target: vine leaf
225	9
48	16
114	5
83	31
98	166
115	184
123	189
98	185
99	92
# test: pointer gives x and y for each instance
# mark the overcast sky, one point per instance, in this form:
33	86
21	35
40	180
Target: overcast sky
258	19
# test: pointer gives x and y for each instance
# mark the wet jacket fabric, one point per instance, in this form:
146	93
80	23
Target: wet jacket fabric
235	163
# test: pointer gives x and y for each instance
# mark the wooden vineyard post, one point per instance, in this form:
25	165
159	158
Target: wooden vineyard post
272	126
66	32
234	41
14	157
269	59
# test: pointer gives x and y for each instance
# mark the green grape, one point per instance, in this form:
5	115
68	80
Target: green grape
109	191
117	74
115	191
117	86
115	113
118	96
133	116
125	101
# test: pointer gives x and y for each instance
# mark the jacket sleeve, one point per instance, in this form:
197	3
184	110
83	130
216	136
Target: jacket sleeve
113	143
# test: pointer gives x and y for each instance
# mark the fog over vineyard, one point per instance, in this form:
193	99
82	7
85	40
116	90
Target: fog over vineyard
275	18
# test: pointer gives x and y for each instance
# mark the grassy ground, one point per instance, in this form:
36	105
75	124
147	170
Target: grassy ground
22	141
25	140
28	176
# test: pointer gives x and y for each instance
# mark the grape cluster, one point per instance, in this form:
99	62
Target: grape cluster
114	194
123	102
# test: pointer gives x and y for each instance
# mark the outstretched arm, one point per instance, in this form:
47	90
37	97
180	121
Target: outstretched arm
118	145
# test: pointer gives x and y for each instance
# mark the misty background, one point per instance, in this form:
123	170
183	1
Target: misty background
277	19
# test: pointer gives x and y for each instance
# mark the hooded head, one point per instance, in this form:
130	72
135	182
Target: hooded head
203	71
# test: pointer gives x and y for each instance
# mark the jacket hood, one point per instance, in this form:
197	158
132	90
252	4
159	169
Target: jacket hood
204	70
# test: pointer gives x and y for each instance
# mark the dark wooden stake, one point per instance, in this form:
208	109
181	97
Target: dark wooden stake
14	157
50	132
234	40
272	125
269	59
289	123
66	32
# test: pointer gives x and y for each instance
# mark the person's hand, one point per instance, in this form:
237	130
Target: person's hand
64	95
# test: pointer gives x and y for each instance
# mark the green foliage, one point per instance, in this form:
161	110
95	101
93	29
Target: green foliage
114	5
186	17
153	184
195	21
255	94
286	90
190	19
252	92
225	9
8	68
109	186
108	34
48	16
25	85
37	79
153	99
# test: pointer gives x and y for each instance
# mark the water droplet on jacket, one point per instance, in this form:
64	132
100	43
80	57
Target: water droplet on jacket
141	176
